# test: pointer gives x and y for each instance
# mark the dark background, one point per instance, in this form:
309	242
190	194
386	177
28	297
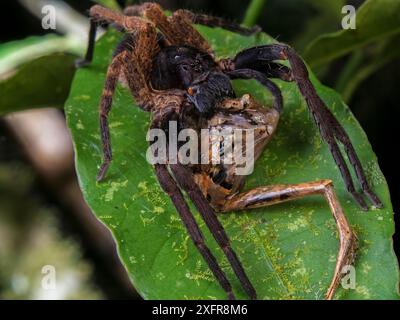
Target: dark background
375	103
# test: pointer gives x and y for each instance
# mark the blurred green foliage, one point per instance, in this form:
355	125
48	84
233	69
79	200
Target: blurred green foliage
43	82
376	20
30	239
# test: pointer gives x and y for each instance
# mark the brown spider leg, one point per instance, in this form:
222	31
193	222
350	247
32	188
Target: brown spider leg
269	195
195	18
177	29
91	45
169	186
100	15
135	10
211	21
113	73
122	22
261	78
185	179
135	66
330	129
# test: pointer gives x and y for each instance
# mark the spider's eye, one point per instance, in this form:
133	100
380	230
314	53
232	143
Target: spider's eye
177	57
192	91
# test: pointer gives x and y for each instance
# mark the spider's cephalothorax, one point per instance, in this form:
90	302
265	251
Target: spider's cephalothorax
190	69
172	72
179	67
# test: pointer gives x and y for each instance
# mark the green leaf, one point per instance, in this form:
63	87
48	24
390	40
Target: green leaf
253	11
388	51
288	250
43	82
375	20
112	4
15	53
36	72
327	14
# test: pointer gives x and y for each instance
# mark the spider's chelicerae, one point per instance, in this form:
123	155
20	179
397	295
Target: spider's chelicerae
173	73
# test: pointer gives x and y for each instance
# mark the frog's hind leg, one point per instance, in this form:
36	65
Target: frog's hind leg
269	195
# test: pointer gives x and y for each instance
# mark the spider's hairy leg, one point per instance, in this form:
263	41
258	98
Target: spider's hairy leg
330	129
343	137
139	64
100	15
211	21
120	21
169	186
136	66
90	46
148	9
185	180
177	28
270	195
135	10
113	72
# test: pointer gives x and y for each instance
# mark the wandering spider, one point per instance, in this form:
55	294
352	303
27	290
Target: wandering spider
172	73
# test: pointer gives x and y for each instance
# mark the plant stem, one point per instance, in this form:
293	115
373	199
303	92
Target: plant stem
364	73
253	12
348	71
40	47
112	4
